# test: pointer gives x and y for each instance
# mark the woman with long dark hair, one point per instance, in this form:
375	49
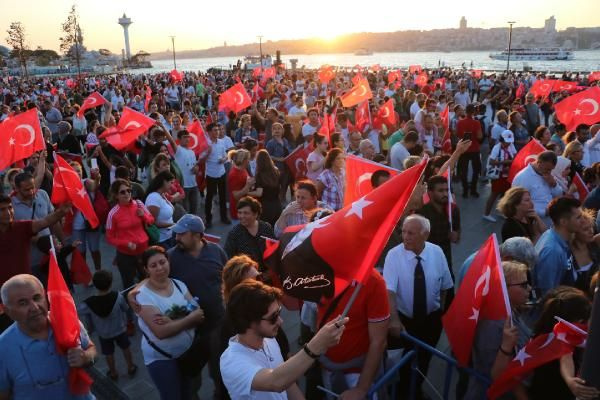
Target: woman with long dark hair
267	187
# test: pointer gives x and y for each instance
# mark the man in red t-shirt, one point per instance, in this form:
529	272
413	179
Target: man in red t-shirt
15	239
358	355
470	129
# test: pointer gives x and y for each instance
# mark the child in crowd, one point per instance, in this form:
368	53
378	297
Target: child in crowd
106	312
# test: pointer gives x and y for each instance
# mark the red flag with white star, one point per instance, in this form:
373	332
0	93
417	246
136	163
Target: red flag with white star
312	265
360	92
93	100
539	351
199	143
421	80
386	115
582	189
542	87
296	162
358	177
481	295
20	137
236	98
566	86
131	125
524	157
361	116
441	82
67	187
580	108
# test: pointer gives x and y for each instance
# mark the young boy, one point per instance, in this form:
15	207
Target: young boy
106	312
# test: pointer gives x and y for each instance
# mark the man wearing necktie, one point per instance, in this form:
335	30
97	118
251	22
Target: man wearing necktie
417	279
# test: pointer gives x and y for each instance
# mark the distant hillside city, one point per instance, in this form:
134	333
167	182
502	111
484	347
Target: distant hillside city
463	38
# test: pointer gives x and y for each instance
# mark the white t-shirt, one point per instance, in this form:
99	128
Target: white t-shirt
165	213
314	157
172	94
214	168
295	110
239	364
308	130
414	109
175	345
398	154
462	98
186	159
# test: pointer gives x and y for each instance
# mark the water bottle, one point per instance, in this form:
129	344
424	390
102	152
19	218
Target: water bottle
191	306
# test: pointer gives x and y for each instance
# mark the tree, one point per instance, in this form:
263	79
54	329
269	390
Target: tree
71	43
16	39
44	57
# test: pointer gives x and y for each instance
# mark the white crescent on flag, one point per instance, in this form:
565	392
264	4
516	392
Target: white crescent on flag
386	112
31	131
484	280
361	188
594	104
91	100
195	139
363	90
135	125
240	98
529	159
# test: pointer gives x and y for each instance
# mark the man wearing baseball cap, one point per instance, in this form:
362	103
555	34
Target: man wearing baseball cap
199	265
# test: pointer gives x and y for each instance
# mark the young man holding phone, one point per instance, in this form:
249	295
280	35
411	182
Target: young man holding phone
469	128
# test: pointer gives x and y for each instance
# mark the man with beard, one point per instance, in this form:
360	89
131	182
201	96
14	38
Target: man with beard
252	366
199	264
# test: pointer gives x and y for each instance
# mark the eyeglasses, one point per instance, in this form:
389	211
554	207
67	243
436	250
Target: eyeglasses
273	318
523	285
126	191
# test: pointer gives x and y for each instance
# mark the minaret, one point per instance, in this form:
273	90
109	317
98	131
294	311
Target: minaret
125	22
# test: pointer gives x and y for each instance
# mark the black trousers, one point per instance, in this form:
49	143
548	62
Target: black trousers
463	170
212	186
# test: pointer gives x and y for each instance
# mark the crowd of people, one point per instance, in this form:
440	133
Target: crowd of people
203	303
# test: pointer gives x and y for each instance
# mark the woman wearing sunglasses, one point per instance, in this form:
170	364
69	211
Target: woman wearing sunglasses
125	229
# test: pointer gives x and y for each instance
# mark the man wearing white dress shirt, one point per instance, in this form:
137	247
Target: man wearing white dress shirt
417	279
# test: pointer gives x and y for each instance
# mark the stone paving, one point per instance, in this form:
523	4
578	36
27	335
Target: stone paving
474	231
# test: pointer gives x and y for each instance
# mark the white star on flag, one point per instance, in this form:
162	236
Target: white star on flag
562	337
11	141
522	356
357	207
475	315
577	111
81	192
304	233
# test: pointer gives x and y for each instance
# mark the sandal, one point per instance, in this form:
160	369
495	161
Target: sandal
112	375
131	371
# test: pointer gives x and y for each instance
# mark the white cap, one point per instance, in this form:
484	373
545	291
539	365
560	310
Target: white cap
508	136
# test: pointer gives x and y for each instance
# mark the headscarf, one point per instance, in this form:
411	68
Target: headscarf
562	163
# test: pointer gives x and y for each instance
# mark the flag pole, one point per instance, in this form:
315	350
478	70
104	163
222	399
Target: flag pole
352	300
591	356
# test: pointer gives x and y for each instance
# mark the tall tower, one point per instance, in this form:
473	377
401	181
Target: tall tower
124	21
463	23
550	25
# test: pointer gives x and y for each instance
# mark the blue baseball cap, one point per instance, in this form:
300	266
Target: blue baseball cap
189	223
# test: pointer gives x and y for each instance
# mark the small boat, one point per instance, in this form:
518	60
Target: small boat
252	62
363	52
539	54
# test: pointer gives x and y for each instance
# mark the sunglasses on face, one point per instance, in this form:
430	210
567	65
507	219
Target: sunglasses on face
273	318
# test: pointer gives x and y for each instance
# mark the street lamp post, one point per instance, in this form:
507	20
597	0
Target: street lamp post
173	43
510	23
260	47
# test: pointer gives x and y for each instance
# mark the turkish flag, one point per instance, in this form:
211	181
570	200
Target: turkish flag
582	189
20	137
525	156
312	265
421	80
520	91
257	93
394	76
361	116
386	115
359	93
176	76
67	187
441	82
566	86
539	351
131	125
476	73
236	98
357	78
296	162
65	324
358	177
594	76
80	272
93	100
482	294
256	72
326	74
148	98
580	108
542	88
415	69
70	83
200	144
268	73
446	140
328	125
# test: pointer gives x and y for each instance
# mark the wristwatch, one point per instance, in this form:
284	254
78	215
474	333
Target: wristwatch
310	353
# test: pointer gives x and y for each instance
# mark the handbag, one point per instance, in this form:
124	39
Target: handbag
190	362
493	172
153	234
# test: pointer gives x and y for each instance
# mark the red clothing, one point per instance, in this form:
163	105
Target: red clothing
15	250
123	225
468	124
371	305
236	180
175	188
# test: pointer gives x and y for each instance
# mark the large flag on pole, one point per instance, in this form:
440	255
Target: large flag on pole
358	177
481	295
93	100
131	125
20	137
580	108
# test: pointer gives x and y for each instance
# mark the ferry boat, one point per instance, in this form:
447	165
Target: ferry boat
540	54
252	62
363	52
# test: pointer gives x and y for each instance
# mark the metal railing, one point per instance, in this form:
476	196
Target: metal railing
388	383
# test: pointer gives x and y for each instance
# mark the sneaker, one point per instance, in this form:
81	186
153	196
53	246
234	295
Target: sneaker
489	218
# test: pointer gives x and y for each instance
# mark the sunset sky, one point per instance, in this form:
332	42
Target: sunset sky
202	24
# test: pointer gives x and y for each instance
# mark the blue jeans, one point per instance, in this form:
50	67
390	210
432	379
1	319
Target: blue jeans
171	384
